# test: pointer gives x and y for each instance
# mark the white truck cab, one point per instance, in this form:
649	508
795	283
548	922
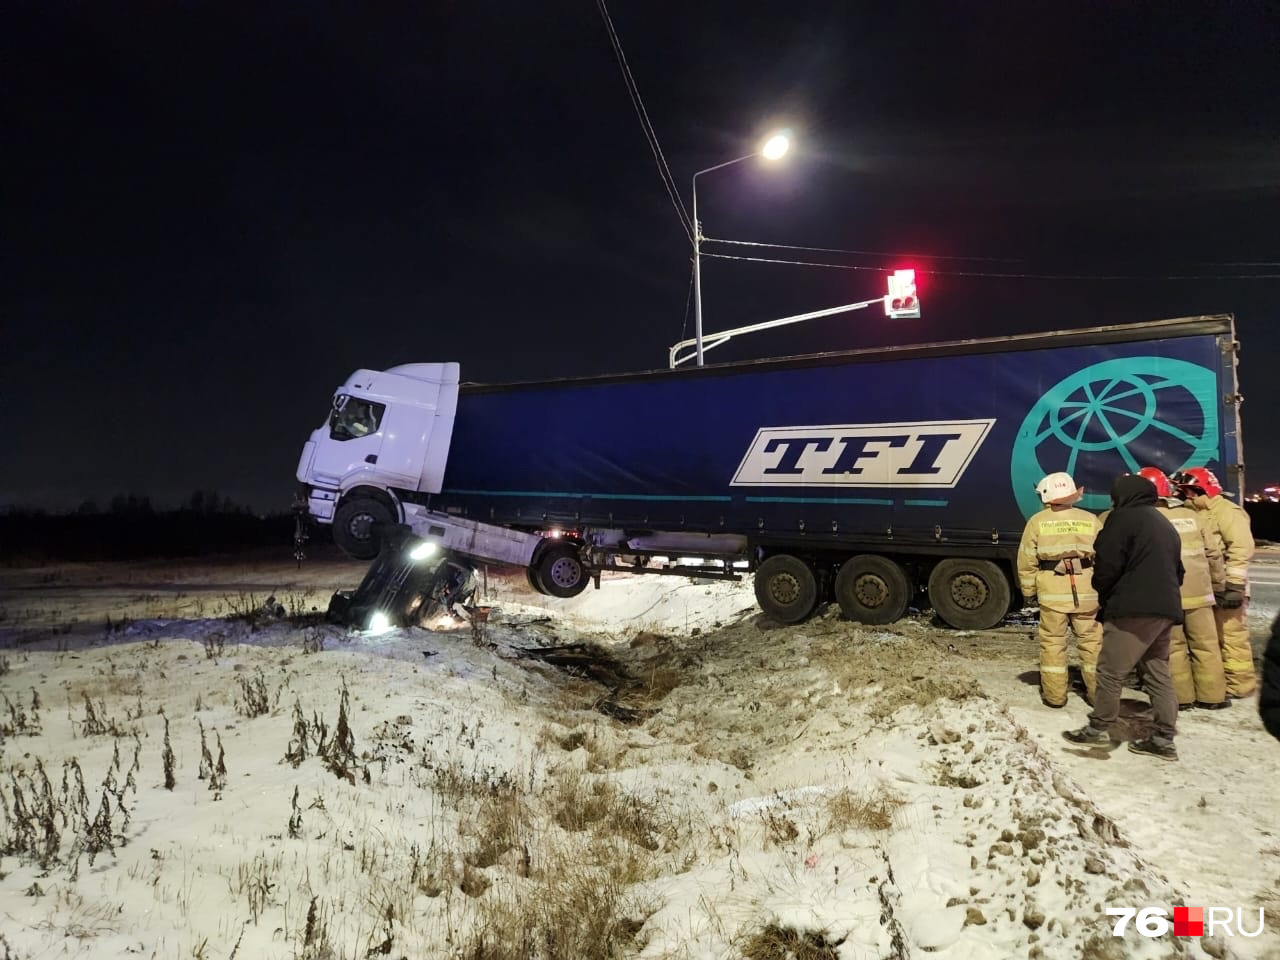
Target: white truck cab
387	435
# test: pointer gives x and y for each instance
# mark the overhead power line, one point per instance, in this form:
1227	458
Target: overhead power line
664	171
859	253
1008	276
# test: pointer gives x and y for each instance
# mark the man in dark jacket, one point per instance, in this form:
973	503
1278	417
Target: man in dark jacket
1269	697
1137	571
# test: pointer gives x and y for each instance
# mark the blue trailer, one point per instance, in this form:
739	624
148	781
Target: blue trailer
863	476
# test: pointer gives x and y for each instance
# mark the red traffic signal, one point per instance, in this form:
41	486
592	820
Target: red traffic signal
902	299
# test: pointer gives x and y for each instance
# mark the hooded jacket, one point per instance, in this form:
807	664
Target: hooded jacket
1137	567
1269	694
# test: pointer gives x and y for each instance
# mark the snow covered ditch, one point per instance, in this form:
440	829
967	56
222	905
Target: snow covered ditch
682	780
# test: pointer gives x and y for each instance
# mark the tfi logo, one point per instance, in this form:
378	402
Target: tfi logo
1187	921
932	454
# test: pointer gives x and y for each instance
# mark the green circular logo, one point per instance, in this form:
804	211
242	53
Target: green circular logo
1116	417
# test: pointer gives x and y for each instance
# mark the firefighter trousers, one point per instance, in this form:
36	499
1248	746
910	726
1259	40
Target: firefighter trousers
1195	659
1237	651
1053	652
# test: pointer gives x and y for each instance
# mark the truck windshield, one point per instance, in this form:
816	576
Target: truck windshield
352	417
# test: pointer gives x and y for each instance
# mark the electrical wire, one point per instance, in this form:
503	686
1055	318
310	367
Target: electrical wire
860	253
1007	276
633	90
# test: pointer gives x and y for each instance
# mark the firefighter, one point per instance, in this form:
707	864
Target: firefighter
1197	681
1203	490
1055	563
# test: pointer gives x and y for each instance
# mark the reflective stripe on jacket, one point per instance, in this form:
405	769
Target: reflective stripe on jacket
1054	535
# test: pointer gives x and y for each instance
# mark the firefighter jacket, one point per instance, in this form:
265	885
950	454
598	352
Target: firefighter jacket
1201	554
1053	535
1237	535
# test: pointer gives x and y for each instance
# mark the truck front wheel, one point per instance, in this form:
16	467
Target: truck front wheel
560	572
872	589
356	524
532	576
969	594
786	588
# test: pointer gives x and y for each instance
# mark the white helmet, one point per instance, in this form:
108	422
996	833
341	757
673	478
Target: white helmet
1057	488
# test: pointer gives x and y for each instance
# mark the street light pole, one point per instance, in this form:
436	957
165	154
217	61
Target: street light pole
697	270
773	148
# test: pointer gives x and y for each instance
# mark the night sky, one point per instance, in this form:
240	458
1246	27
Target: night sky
213	212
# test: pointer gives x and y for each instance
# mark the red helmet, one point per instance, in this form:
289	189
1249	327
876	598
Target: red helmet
1201	478
1156	476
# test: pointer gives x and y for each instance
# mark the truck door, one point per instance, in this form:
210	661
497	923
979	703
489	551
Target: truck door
355	426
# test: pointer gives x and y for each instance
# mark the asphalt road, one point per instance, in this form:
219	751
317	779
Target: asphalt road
1264	584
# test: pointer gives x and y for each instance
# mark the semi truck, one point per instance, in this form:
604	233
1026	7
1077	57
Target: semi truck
868	477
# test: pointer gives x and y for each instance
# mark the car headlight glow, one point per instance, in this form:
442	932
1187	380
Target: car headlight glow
379	623
422	551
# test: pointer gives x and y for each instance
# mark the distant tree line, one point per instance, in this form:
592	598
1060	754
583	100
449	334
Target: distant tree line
132	527
207	523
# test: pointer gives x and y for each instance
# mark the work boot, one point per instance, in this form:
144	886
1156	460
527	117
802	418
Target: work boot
1187	706
1164	751
1220	705
1088	735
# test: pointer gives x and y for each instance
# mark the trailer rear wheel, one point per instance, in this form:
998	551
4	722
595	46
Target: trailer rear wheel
560	571
969	594
786	588
356	524
872	589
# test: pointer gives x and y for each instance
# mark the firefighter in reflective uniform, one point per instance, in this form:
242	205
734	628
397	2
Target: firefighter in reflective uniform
1198	680
1203	490
1054	570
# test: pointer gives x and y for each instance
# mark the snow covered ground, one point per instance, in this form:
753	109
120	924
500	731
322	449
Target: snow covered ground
650	770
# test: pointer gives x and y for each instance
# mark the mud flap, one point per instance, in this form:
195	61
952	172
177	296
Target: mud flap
401	588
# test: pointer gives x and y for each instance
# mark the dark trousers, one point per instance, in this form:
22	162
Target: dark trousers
1127	642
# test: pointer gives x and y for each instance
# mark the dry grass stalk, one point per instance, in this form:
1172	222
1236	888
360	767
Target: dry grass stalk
253	700
875	810
775	942
167	759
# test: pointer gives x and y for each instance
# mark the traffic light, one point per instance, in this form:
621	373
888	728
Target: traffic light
902	300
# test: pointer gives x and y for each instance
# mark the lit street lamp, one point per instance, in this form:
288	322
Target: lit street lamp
774	148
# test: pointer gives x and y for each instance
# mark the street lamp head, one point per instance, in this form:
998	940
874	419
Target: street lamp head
776	147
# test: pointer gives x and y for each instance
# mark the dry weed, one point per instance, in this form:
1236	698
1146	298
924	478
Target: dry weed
515	925
775	942
848	810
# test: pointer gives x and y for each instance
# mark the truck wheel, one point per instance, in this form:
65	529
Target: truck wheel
872	589
560	571
969	594
532	576
786	588
355	526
